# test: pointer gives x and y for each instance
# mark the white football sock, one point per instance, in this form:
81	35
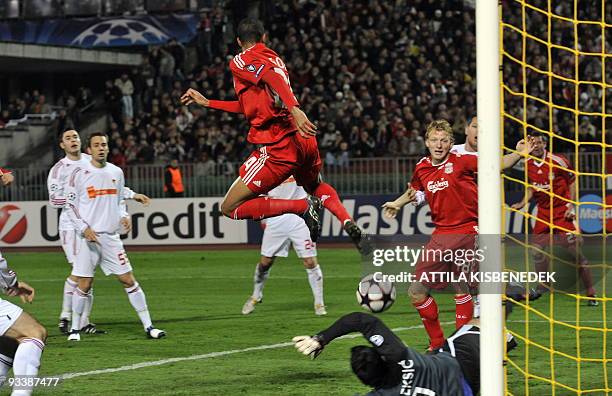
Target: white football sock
27	361
315	278
87	309
476	302
259	281
69	287
139	302
79	300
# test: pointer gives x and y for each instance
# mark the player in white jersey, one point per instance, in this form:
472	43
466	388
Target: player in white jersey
18	325
94	195
279	234
70	142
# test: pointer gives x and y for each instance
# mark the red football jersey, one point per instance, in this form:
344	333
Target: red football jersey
269	118
540	176
450	188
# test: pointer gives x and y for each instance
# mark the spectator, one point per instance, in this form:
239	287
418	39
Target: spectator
173	180
126	87
112	99
205	166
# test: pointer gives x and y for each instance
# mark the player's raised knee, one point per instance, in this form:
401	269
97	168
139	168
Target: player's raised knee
227	208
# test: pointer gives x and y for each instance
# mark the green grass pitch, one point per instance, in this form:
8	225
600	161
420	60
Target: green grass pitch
197	297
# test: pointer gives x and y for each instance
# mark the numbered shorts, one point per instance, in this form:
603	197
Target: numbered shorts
272	164
458	241
542	235
68	241
9	313
286	230
108	252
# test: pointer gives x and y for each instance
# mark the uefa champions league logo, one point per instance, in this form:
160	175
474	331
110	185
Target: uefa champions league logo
120	31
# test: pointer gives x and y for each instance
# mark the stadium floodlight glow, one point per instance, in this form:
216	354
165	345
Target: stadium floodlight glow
489	190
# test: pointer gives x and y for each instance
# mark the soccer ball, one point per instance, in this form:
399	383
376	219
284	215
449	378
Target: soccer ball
375	296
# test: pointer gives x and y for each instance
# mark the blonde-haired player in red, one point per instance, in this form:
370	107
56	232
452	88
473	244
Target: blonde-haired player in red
559	211
289	147
448	182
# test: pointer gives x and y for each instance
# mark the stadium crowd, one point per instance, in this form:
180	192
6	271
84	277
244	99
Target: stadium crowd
371	74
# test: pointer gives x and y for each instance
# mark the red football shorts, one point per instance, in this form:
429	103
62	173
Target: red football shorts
272	164
459	241
542	233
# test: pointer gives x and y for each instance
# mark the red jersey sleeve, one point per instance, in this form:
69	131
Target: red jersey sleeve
415	183
280	84
3	170
232	106
470	163
566	171
249	68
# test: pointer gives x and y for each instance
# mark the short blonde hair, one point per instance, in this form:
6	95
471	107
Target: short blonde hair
440	125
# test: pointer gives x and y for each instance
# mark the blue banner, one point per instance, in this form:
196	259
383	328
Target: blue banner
367	212
102	32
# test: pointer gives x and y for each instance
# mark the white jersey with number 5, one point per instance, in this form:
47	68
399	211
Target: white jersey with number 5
289	229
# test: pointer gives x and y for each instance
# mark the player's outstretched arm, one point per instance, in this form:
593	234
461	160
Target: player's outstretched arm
521	204
388	345
392	208
193	96
523	148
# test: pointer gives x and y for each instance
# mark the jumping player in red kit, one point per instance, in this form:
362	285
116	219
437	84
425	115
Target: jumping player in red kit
286	135
448	180
559	211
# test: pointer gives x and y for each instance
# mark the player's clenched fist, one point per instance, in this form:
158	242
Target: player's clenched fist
23	290
193	96
308	346
391	209
90	235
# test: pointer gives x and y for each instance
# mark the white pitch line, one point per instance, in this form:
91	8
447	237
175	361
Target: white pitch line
235	351
204	356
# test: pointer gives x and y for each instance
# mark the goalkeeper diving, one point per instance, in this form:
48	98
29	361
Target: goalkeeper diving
392	368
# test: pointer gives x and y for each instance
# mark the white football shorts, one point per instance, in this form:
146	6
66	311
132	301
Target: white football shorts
68	240
9	313
108	252
284	231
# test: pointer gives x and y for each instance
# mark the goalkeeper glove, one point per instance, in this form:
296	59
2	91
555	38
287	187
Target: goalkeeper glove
309	346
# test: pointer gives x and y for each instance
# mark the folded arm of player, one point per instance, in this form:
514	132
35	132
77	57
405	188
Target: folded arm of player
387	344
55	188
6	176
72	191
279	83
523	148
392	208
11	286
193	96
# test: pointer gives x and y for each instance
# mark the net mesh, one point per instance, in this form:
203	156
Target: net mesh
557	81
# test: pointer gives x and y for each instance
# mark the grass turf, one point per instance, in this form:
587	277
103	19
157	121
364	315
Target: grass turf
197	297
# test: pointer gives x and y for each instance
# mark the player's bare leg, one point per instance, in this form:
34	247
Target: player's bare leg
31	336
262	273
315	278
584	271
139	303
428	310
242	203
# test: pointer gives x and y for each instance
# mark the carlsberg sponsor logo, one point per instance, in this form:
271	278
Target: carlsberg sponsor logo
438	185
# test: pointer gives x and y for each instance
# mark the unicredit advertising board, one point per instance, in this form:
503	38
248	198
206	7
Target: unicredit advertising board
192	221
176	221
